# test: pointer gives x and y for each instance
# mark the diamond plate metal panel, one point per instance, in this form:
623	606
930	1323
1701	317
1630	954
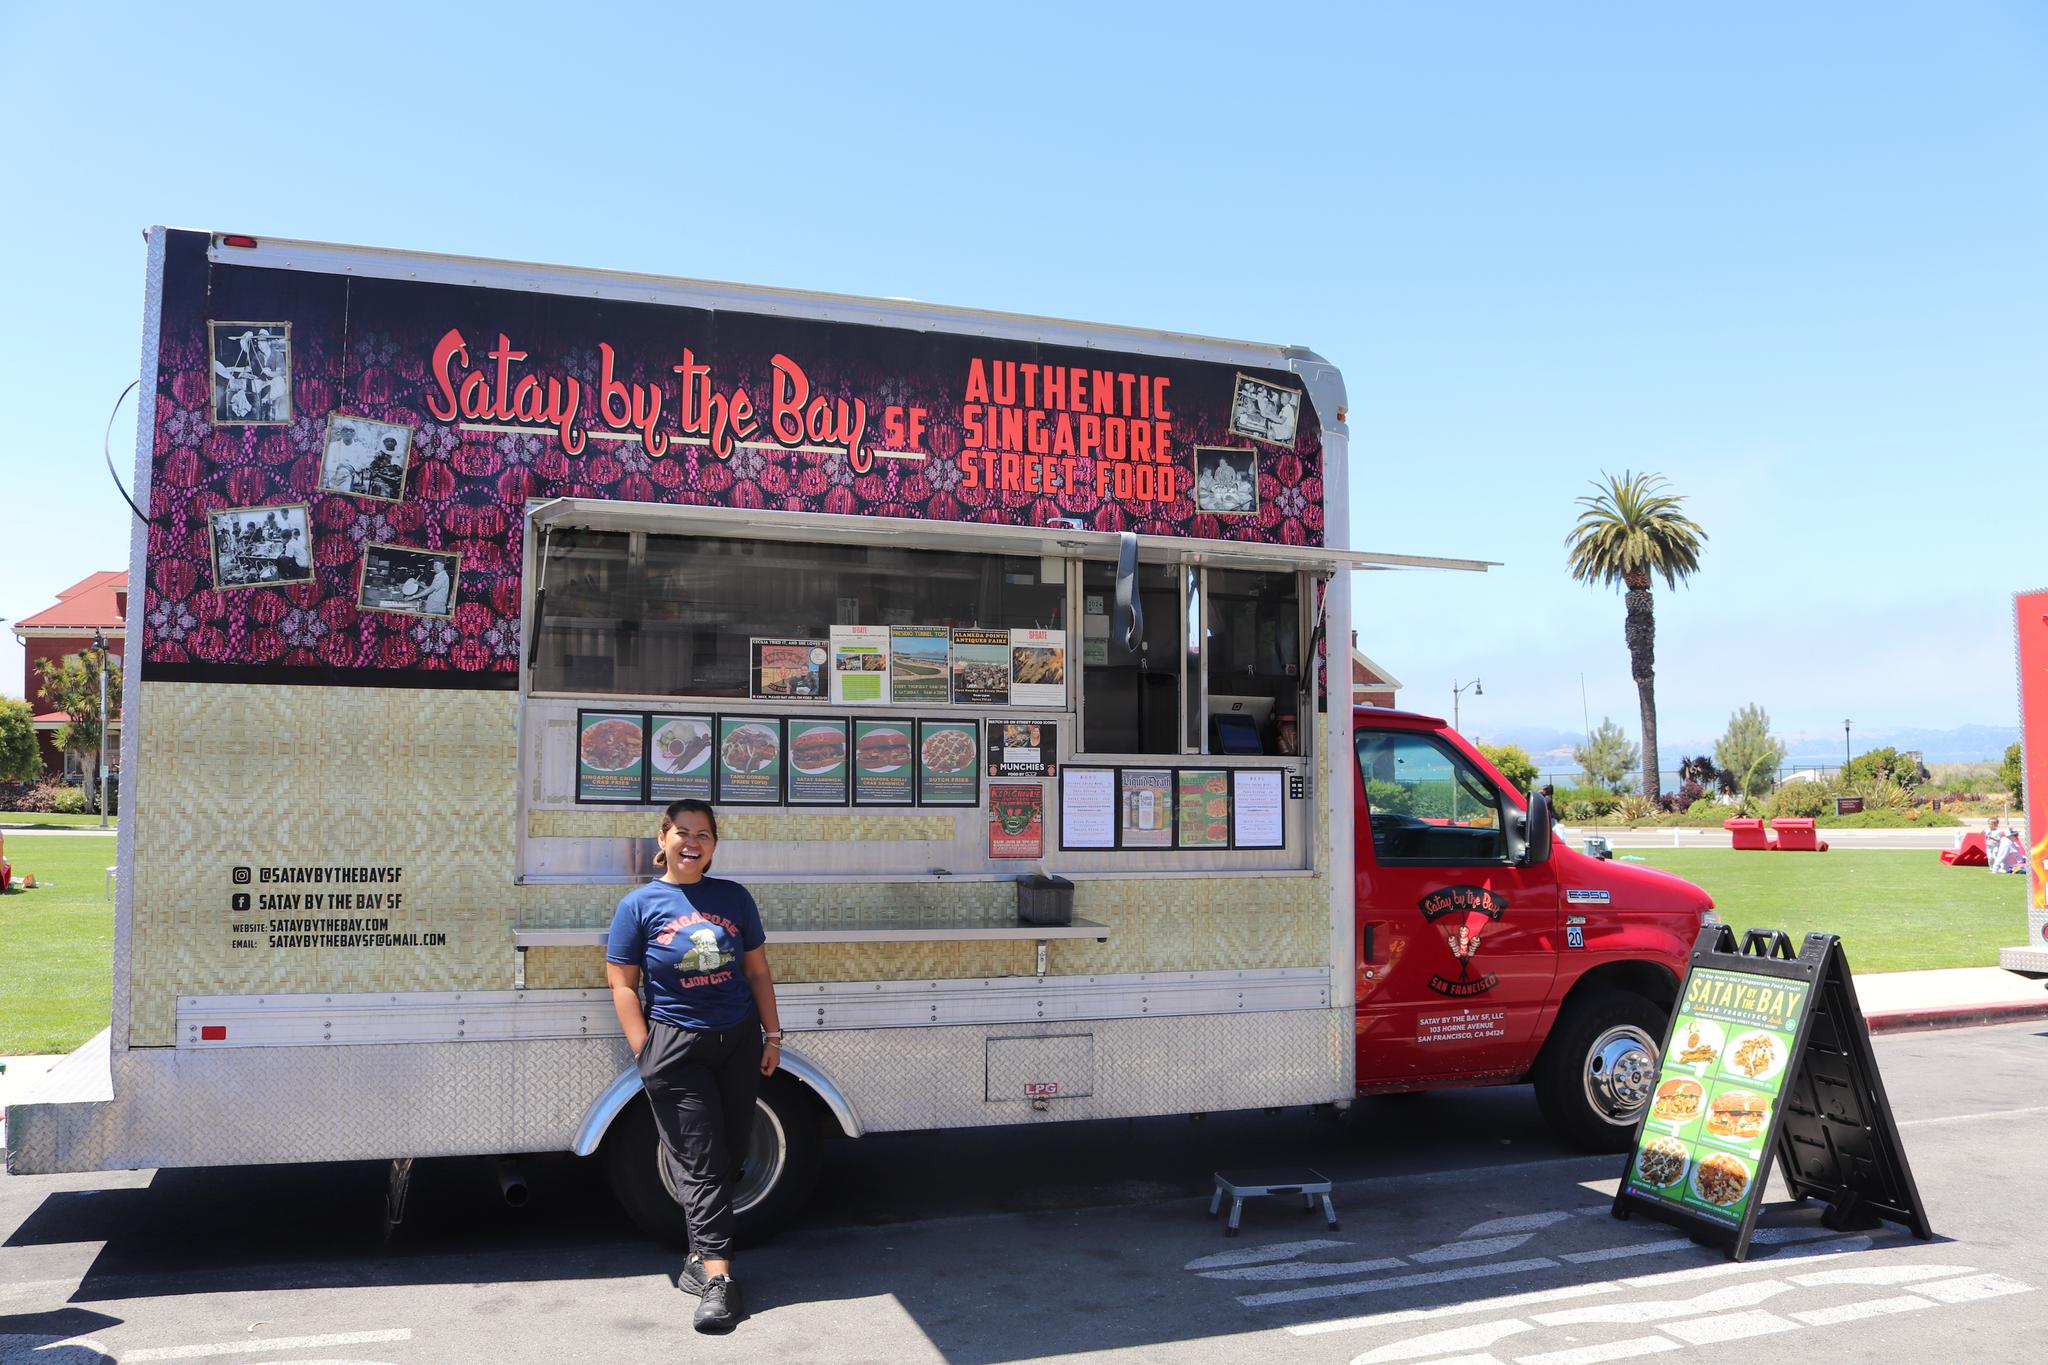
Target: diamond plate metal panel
934	1077
1023	1069
257	1105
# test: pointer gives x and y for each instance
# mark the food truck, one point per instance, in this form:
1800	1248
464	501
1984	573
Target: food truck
999	642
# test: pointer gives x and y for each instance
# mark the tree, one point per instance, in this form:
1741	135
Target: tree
73	687
21	758
1747	750
1606	758
1885	765
1629	532
1703	772
1514	763
2009	773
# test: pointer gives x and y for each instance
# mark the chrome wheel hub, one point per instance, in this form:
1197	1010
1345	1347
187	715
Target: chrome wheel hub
767	1155
1621	1071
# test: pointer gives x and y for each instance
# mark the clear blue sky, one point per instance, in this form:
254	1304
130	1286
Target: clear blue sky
1795	257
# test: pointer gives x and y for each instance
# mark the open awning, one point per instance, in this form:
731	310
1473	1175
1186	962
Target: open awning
598	514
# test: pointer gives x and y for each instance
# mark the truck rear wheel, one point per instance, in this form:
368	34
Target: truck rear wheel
781	1168
1599	1069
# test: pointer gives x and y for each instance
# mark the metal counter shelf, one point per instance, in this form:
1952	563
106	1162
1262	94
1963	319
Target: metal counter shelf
871	933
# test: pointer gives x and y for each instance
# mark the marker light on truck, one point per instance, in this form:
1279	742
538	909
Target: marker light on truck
236	239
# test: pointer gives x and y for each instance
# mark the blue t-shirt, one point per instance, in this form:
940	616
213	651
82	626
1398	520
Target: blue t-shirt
687	941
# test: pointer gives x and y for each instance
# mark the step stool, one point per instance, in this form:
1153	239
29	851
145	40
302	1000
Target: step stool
1243	1185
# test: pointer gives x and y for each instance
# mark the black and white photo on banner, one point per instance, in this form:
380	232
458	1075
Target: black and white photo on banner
1265	412
407	579
259	546
252	373
1226	480
365	459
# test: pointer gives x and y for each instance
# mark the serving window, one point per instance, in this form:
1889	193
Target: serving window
631	613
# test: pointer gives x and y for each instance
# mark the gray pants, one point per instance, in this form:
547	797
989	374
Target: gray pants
703	1087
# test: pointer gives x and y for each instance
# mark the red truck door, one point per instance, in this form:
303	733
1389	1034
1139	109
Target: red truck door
1457	944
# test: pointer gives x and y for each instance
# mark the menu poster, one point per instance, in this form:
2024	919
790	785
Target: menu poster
610	746
860	666
1016	820
1202	798
819	773
1144	808
917	664
679	758
1704	1140
981	667
1038	668
750	759
1018	748
948	763
1088	808
1259	805
788	670
882	772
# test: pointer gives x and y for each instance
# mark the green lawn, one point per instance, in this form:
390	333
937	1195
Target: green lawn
56	944
12	820
1896	909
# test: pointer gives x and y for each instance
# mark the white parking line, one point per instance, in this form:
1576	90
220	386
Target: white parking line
1729	1327
1451	1339
1470	1251
1304	1270
1868	1308
1972	1118
1335	1291
1500	1304
1272	1251
244	1348
1621	1253
1611	1350
1973	1288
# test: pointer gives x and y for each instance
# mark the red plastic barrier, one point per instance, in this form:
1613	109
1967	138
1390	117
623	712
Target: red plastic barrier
1970	854
1796	835
1747	832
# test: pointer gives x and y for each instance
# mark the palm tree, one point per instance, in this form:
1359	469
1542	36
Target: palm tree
1629	532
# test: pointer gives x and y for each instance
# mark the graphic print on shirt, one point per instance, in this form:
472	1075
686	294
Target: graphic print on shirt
704	953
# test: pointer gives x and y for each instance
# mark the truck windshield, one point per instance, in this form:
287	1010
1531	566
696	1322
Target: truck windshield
1427	803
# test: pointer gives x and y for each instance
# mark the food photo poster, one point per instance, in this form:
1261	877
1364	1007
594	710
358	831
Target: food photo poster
610	747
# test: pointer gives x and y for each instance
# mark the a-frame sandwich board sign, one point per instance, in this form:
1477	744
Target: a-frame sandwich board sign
1768	1057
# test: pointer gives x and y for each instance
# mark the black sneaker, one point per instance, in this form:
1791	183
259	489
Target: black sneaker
720	1309
690	1279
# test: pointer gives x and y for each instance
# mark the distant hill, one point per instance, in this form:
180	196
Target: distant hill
1552	748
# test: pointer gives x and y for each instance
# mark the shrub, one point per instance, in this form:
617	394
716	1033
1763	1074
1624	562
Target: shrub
2010	775
1636	809
1885	765
38	799
1514	763
1800	800
1598	801
1706	806
69	801
1884	794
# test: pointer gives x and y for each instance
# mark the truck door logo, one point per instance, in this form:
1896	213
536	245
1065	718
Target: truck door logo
1468	910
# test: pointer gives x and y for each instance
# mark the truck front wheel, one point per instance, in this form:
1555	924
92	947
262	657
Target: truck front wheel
1599	1069
781	1168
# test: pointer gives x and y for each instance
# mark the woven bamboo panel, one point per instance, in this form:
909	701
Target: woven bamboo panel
424	782
265	777
781	827
559	969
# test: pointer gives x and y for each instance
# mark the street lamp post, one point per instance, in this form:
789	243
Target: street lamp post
99	643
1456	691
1845	750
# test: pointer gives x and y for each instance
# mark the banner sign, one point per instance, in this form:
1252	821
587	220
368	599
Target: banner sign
422	418
2030	610
1767	1056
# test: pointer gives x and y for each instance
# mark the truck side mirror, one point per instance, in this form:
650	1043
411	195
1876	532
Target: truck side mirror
1535	840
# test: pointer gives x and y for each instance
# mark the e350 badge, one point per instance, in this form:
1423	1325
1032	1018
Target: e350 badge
1462	914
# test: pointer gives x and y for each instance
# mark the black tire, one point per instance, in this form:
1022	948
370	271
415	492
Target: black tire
1599	1069
782	1167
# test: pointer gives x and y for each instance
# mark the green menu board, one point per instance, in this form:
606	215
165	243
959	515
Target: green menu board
1767	1065
1704	1139
610	753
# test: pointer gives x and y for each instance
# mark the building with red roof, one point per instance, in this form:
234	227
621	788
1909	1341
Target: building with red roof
65	631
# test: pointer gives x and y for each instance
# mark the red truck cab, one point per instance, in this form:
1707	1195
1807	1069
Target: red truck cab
1489	953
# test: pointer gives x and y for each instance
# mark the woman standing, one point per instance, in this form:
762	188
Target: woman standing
710	1035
